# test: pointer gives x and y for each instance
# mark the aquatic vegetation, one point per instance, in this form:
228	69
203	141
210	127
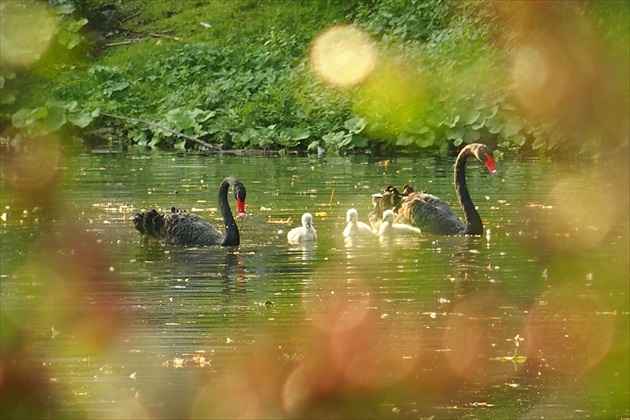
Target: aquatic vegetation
436	75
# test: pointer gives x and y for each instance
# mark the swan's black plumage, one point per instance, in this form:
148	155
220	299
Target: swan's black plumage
189	229
431	214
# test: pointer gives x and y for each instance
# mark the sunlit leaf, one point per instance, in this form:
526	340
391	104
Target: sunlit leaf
299	133
25	117
452	123
313	145
180	145
456	133
471	116
355	125
202	116
65	8
519	140
538	143
55	119
512	127
80	119
494	124
405	139
479	125
6	98
471	136
180	119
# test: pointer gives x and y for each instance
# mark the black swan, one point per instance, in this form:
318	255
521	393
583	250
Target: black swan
304	233
354	228
181	228
390	228
433	215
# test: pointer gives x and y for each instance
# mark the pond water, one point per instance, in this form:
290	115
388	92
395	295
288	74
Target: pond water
530	320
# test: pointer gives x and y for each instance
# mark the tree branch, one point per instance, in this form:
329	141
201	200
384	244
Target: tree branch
177	133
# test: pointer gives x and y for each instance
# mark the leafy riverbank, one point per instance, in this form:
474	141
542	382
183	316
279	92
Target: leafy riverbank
241	74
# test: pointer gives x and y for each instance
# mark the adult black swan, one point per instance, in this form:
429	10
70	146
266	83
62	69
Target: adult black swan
188	229
431	214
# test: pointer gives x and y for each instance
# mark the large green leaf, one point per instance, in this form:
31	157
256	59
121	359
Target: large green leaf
494	124
427	139
455	133
26	117
201	115
299	133
355	125
180	119
471	116
80	119
405	139
512	127
538	143
518	140
55	119
470	135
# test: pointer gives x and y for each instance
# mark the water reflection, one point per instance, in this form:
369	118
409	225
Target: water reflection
424	325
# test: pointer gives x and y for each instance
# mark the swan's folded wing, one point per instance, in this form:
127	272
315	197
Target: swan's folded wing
430	214
190	229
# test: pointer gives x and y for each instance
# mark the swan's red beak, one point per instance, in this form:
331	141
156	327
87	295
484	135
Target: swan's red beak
240	207
490	165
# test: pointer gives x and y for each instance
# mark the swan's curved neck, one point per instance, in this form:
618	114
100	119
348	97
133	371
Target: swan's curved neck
232	237
474	225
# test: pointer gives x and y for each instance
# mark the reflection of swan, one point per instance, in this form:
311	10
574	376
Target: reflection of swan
354	228
304	233
389	228
434	215
180	228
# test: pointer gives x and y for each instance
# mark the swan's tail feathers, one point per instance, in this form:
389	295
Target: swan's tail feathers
150	223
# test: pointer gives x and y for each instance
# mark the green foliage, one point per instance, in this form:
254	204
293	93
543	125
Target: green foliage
441	81
51	117
22	103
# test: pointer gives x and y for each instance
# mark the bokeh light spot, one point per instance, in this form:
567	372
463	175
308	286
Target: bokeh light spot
539	75
343	56
393	96
571	330
26	30
584	217
33	169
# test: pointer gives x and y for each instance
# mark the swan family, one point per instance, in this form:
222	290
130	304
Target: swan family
393	213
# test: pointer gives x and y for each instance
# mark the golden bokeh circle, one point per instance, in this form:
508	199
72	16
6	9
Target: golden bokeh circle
343	55
26	31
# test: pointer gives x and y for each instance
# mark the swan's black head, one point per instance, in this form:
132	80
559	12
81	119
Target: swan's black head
485	155
239	194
